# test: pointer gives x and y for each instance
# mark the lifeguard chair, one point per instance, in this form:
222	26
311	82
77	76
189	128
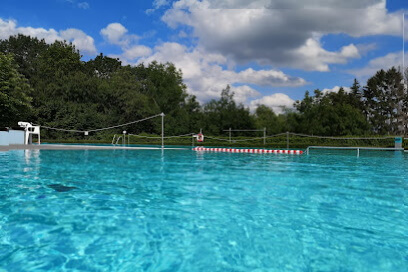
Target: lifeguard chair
30	130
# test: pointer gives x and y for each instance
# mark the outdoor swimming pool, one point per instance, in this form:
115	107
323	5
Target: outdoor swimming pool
179	210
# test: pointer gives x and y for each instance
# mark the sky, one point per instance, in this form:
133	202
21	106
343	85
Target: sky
269	51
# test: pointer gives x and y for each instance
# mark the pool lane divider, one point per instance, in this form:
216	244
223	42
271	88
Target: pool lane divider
254	151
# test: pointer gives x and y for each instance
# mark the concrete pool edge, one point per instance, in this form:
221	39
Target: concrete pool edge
81	147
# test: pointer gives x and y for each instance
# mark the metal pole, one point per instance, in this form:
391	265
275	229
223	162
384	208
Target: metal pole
192	140
162	134
230	135
287	139
264	139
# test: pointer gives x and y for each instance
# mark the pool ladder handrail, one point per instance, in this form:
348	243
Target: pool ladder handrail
117	139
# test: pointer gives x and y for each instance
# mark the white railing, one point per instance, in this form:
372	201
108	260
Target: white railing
354	148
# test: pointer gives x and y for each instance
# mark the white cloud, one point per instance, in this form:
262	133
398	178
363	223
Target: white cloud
82	42
319	58
160	3
83	5
275	101
282	33
273	78
137	52
336	89
374	65
116	33
205	74
243	93
157	4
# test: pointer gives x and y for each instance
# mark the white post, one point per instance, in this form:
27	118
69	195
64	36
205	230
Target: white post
162	135
230	135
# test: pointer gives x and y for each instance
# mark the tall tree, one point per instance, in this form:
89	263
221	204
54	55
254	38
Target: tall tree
224	113
384	98
266	118
26	51
14	93
330	114
103	66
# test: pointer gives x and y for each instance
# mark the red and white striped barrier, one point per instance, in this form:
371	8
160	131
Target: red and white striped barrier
257	151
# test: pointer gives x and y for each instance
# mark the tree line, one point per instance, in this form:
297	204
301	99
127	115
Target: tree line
49	84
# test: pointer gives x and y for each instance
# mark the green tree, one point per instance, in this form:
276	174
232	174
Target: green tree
164	83
103	66
14	93
26	51
266	118
224	113
385	104
330	114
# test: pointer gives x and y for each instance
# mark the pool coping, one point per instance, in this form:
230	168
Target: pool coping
81	147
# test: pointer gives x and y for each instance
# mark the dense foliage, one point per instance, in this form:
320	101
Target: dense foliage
49	84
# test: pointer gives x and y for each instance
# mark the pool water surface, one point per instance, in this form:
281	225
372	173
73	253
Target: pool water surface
180	210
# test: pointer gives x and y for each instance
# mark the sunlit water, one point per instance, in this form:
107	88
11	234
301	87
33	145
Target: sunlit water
178	210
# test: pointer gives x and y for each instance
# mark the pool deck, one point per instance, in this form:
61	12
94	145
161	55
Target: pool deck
80	147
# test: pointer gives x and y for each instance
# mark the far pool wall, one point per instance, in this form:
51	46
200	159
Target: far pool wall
4	137
16	137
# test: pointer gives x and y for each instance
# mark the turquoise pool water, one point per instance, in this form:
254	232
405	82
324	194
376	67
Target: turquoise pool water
179	210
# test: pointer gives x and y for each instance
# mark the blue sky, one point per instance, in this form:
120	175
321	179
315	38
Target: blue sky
269	51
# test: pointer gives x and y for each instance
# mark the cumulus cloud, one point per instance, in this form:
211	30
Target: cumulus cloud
137	51
273	78
280	32
384	62
243	93
157	4
277	102
116	33
336	89
160	3
205	74
80	39
289	4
